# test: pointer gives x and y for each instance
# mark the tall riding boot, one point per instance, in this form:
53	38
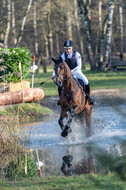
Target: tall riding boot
87	91
59	92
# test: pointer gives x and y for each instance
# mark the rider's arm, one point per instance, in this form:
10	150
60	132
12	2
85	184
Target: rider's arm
78	61
53	75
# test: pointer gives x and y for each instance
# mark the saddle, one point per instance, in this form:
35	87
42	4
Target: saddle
80	82
85	90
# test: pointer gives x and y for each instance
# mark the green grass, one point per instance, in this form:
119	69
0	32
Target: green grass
98	80
26	111
88	182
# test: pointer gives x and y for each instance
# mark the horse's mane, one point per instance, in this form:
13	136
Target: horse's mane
68	69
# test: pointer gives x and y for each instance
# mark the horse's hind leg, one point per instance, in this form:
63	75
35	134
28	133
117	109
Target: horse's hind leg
88	111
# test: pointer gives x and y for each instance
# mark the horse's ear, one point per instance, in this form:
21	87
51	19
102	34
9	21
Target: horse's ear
53	59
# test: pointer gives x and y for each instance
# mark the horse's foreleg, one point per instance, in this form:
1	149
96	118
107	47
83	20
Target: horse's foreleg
62	116
60	121
67	128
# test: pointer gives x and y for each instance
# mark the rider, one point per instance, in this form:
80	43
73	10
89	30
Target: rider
73	60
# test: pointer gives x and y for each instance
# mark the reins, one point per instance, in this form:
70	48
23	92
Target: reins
58	76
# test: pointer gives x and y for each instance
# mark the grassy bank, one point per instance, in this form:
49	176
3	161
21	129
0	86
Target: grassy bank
98	80
82	182
24	112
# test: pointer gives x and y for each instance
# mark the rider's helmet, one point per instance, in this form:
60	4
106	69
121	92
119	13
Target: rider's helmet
68	44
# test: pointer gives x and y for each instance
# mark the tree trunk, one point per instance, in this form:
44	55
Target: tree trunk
99	31
84	14
50	30
2	24
35	30
23	24
102	40
29	95
13	23
68	22
109	32
36	36
100	16
8	23
81	48
121	28
46	45
57	43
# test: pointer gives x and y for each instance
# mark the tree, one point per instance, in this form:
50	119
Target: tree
84	12
45	26
104	33
121	28
108	32
23	24
8	23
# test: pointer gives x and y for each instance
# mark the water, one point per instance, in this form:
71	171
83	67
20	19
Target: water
76	153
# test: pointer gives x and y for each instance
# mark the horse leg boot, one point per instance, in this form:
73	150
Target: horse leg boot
67	129
87	91
59	92
61	123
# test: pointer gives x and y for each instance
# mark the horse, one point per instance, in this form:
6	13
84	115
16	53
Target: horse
73	100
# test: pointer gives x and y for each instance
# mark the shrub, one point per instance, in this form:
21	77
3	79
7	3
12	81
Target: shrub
9	64
16	169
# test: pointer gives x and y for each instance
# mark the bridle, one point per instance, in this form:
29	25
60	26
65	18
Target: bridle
57	67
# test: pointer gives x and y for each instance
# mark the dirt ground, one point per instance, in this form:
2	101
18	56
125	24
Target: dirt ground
101	97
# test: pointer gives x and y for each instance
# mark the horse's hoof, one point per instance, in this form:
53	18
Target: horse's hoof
66	131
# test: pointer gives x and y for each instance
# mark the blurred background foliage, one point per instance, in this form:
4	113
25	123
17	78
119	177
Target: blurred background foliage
43	26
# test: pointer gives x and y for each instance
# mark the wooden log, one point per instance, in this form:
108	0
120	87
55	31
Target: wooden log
29	95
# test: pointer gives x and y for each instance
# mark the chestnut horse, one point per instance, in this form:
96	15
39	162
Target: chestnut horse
73	99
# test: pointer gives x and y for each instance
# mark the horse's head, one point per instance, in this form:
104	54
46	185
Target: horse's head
59	68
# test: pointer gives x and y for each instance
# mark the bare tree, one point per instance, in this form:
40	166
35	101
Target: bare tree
84	10
23	24
68	21
13	22
35	29
121	28
78	28
108	32
36	36
8	23
50	29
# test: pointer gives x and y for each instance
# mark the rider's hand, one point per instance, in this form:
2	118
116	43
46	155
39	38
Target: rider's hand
53	76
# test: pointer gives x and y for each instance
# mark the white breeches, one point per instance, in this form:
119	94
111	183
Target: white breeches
81	76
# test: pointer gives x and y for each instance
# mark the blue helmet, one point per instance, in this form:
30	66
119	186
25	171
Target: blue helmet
68	44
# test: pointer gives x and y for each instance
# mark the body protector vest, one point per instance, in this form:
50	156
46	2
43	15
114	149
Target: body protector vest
71	62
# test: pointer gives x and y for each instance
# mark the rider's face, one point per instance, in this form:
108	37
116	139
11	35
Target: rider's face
68	50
